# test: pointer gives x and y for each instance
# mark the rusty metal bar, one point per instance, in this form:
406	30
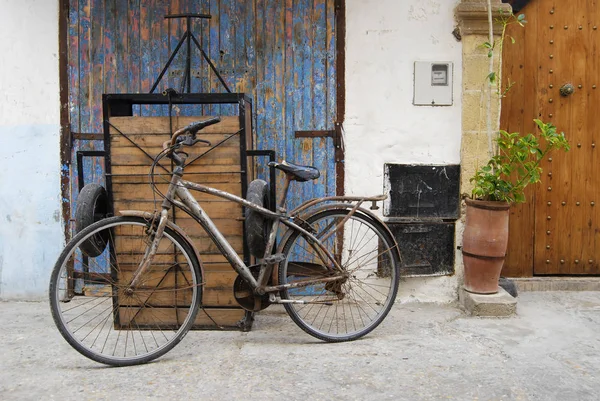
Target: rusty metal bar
313	202
315	134
87	136
301	283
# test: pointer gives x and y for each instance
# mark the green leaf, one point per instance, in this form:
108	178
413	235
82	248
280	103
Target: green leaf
492	77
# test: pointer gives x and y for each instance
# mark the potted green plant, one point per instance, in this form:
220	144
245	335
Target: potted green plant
514	163
498	184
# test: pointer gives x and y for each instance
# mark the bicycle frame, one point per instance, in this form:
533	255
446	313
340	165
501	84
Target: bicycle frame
181	188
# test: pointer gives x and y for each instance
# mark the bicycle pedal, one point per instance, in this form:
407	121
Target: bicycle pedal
275	258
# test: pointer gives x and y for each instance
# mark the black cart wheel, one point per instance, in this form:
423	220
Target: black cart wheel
92	206
257	227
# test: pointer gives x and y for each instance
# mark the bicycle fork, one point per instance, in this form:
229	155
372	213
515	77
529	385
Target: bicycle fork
151	249
158	233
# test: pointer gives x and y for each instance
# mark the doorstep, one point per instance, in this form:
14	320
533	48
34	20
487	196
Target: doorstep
557	283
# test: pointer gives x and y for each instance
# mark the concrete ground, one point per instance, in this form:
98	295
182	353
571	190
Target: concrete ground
550	351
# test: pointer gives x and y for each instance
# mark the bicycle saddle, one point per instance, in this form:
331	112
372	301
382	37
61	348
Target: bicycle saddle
297	173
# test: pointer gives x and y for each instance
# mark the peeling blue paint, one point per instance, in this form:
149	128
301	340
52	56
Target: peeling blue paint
281	52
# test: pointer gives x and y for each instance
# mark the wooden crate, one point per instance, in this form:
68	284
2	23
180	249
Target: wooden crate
219	168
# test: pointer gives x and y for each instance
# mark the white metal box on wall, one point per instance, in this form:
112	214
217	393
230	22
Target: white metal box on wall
433	83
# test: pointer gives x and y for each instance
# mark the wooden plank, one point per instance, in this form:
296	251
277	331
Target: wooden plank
225	318
201	242
287	153
84	66
110	36
203	84
73	64
281	136
152	143
305	148
216	291
143	191
145	51
319	95
214	51
332	83
519	258
133	157
97	56
588	16
200	177
226	170
134	49
149	125
226	51
593	140
173	33
551	231
121	30
207	317
215	212
272	137
579	155
261	60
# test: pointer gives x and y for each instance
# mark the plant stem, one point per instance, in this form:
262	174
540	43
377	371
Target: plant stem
500	93
489	83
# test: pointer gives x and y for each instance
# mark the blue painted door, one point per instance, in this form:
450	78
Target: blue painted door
281	52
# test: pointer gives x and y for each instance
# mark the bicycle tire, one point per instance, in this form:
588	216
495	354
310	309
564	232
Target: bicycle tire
257	226
110	322
92	206
358	304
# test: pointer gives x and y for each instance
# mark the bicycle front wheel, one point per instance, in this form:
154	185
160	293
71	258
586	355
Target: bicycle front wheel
351	307
106	319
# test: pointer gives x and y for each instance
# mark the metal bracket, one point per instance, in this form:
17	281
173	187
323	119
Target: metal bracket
336	134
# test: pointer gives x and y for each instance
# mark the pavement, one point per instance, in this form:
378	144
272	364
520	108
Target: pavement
549	351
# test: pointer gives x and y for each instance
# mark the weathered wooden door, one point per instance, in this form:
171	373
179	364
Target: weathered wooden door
281	52
557	232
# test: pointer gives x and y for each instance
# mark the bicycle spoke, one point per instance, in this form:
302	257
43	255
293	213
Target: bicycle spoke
362	297
112	322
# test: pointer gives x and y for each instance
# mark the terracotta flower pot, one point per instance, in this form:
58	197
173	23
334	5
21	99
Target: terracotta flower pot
484	245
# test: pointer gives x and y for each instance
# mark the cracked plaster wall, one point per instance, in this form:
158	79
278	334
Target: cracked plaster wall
31	234
383	40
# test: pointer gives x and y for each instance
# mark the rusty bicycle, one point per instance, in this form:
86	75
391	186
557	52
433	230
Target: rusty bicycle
126	289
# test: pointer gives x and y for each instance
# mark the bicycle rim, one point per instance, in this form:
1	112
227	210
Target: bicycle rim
348	308
107	320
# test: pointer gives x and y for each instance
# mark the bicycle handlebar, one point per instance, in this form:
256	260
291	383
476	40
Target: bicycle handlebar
193	128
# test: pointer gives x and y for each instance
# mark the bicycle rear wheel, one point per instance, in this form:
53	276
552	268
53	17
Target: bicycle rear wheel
349	308
106	319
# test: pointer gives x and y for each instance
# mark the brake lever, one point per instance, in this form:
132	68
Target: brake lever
203	141
190	140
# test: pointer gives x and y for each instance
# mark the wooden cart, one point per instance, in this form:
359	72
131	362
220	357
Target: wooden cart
132	141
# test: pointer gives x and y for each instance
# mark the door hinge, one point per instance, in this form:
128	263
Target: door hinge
337	134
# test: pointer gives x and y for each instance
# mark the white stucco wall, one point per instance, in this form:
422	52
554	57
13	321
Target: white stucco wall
383	40
31	234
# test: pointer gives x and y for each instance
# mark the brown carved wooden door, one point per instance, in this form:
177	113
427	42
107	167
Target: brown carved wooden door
554	63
